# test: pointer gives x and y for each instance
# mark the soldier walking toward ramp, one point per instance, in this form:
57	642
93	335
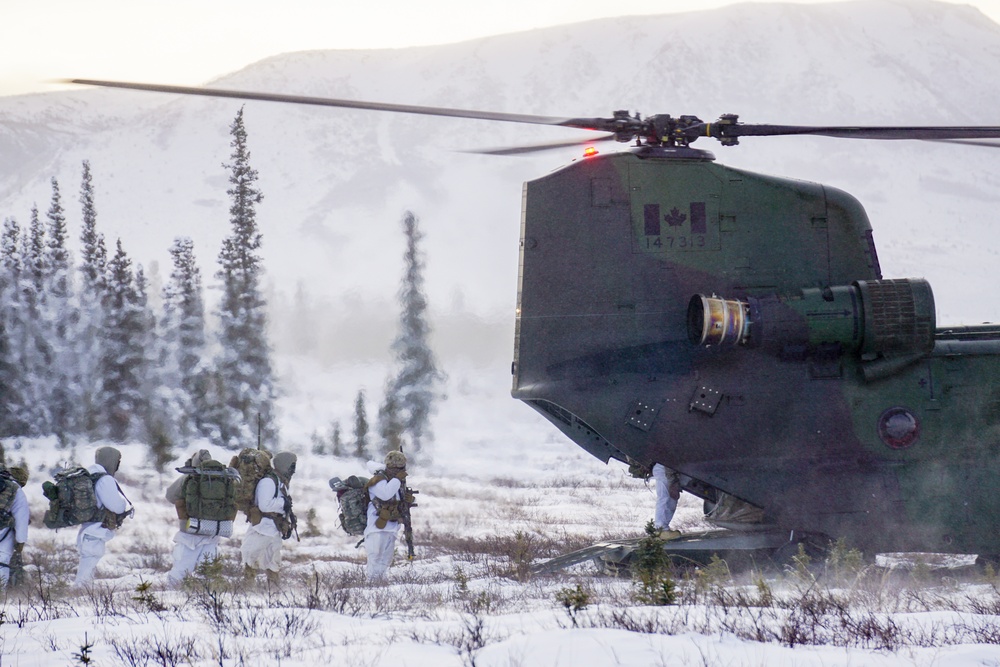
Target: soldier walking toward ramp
113	507
388	507
271	519
205	498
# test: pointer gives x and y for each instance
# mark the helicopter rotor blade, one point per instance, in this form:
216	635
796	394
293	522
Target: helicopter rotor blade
583	123
622	126
926	133
536	148
969	142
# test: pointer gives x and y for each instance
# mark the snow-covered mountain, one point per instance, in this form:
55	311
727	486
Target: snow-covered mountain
337	181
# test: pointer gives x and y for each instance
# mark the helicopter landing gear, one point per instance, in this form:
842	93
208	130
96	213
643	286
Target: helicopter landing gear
807	549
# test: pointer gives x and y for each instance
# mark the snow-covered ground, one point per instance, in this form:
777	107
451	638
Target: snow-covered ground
499	490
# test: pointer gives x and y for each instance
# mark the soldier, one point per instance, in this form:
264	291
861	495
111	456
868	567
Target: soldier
93	537
190	549
271	519
15	532
668	491
386	509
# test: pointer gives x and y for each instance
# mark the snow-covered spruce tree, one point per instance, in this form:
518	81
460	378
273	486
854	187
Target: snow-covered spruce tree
35	347
360	426
33	255
183	339
57	254
93	285
14	412
390	425
244	363
160	418
60	319
415	386
124	356
336	441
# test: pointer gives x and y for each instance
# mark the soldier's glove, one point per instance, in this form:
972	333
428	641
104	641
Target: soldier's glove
675	490
401	475
19	548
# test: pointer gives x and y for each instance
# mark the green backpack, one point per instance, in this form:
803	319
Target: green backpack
71	498
352	495
8	490
210	491
252	466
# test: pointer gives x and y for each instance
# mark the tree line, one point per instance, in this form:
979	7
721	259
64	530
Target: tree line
83	355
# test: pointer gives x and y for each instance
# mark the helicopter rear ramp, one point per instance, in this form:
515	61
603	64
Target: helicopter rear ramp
698	547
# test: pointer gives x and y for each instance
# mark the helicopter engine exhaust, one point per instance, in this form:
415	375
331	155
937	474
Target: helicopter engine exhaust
868	317
713	320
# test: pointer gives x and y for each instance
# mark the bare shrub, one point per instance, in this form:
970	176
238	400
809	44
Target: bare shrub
162	651
106	601
510	483
632	620
471	637
263	622
50	568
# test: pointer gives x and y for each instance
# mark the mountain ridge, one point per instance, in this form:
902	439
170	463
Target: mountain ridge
336	181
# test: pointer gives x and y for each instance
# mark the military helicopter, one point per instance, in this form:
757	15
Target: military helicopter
737	328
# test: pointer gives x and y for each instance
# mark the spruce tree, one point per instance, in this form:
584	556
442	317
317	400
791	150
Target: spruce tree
360	426
35	263
123	362
390	425
158	408
183	339
244	363
94	255
35	345
60	321
336	442
412	392
57	254
14	412
93	275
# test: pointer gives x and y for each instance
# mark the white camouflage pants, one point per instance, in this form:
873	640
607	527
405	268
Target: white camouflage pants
6	551
380	546
262	552
91	550
665	504
188	553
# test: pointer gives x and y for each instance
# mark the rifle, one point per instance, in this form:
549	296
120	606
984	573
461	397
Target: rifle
293	522
16	576
408	498
292	519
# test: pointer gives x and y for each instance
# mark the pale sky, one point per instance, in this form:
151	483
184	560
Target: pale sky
190	42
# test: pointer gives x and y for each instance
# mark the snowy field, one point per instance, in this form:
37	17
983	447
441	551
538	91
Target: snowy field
499	491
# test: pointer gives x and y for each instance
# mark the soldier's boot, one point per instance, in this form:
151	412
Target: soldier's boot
667	534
